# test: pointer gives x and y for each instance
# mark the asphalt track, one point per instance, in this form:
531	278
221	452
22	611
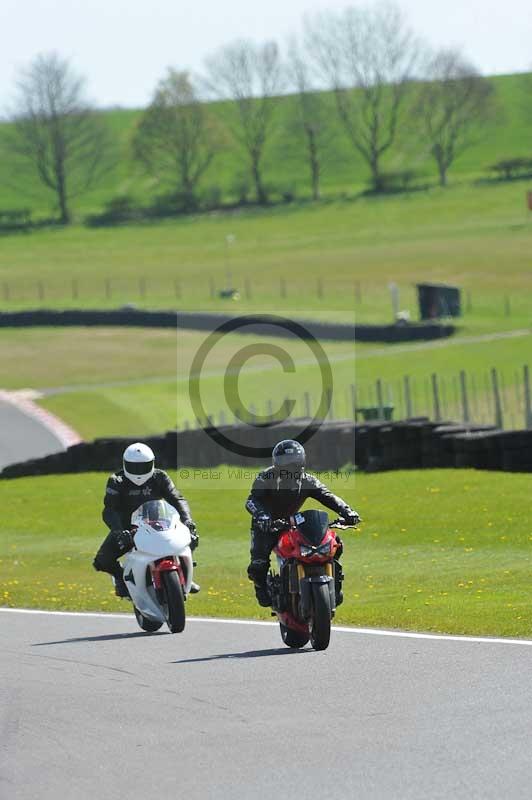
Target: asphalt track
23	437
92	707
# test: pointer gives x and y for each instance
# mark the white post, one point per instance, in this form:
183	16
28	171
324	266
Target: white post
394	291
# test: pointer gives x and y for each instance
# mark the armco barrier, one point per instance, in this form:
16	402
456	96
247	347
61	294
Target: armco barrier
372	447
131	317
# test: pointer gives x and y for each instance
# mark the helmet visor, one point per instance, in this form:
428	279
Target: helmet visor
138	467
295	461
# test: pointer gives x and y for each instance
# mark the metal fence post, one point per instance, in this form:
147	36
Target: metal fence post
499	422
380	401
330	413
436	397
353	400
463	393
528	408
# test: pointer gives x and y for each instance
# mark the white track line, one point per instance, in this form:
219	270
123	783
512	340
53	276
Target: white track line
338	628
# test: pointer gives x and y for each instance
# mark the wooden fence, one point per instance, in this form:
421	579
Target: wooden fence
494	397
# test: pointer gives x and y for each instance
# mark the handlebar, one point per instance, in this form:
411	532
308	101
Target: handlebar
341	525
279	525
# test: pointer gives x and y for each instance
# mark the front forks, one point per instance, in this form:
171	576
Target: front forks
307	576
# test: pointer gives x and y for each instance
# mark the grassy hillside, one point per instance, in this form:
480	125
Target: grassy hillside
457	560
508	135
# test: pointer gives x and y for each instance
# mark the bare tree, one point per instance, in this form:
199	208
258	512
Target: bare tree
452	104
176	136
367	57
55	132
250	75
311	115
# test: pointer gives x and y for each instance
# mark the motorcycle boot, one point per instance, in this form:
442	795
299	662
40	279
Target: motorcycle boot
121	589
262	593
338	581
257	572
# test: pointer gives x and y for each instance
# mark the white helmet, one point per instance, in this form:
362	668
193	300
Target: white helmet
139	463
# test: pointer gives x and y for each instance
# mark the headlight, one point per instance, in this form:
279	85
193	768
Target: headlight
322	550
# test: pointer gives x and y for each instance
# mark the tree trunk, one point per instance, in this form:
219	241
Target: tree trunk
314	164
375	173
262	197
442	162
65	218
189	196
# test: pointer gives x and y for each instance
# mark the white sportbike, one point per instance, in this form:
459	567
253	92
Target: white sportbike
158	571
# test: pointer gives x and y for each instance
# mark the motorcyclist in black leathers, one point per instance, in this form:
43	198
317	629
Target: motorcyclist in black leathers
277	493
130	487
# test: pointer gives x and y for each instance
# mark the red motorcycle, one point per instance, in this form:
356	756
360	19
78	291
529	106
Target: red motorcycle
308	588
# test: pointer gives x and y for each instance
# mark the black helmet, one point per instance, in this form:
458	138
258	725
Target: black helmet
289	455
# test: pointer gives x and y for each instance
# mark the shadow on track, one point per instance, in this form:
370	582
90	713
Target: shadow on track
105	638
278	651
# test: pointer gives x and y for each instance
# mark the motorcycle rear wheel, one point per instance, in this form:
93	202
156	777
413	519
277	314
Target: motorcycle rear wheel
174	602
148	625
320	623
292	638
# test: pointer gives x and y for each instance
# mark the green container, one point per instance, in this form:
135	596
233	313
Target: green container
369	413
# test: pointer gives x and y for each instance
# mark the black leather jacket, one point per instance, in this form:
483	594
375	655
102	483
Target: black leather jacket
122	498
279	498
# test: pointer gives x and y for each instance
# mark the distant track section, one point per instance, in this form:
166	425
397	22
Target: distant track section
256	324
28	431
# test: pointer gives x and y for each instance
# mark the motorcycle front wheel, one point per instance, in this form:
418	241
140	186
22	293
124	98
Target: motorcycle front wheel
148	625
320	623
292	638
173	602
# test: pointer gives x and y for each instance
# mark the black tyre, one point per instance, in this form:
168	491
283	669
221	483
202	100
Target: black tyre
292	638
173	602
149	625
320	622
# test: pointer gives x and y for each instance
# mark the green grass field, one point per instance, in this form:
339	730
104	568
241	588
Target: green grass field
446	551
478	237
91	381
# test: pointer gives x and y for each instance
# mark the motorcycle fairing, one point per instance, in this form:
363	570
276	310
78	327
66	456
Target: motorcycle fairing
151	545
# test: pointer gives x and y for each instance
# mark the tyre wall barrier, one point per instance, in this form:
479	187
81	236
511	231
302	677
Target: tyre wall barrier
208	322
372	447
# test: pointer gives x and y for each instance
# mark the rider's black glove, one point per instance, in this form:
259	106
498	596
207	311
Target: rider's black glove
194	538
350	516
263	523
124	541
